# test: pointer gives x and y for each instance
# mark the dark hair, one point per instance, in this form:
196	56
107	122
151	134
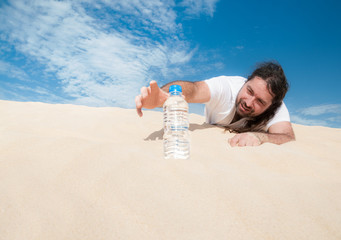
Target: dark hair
277	84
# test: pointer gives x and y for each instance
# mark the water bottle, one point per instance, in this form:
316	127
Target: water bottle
176	143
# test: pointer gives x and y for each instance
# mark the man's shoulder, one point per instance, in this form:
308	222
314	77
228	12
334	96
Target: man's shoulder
227	78
281	115
225	88
226	82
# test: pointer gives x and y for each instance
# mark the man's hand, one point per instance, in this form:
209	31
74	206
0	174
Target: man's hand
150	97
246	139
278	133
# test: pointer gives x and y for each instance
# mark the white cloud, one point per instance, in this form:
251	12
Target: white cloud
12	71
239	47
153	14
336	119
197	7
321	115
306	121
322	109
22	92
101	52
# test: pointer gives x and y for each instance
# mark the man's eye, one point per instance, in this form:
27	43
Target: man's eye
261	102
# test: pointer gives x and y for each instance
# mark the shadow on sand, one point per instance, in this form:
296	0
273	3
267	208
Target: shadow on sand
158	135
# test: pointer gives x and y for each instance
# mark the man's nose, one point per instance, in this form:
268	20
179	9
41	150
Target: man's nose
249	101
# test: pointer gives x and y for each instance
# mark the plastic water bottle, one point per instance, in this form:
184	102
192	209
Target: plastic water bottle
176	143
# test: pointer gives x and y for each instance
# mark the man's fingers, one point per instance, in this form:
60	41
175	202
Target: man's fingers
138	104
242	143
147	97
153	86
237	140
233	141
244	139
144	92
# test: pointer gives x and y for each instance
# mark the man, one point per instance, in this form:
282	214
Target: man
253	107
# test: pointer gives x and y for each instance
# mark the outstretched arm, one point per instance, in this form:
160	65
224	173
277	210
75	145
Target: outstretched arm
278	133
194	92
154	96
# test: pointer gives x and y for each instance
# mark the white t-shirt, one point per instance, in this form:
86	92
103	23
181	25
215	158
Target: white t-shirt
220	109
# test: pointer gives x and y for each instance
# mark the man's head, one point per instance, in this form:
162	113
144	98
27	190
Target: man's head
263	92
259	98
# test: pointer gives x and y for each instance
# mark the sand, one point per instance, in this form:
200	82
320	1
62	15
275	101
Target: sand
76	172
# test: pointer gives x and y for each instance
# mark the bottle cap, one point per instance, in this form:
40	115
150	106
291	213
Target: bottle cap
175	88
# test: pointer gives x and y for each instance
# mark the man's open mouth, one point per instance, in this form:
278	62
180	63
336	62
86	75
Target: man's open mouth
244	108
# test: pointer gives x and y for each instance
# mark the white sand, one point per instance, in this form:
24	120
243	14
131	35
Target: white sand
74	172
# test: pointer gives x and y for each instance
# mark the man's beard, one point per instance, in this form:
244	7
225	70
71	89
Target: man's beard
243	110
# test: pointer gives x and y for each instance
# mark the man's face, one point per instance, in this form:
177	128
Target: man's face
253	98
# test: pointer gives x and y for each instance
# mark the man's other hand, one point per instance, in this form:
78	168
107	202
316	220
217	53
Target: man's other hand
245	139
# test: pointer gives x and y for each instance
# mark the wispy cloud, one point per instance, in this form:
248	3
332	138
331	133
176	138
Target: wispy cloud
309	122
321	115
101	52
22	92
322	109
12	71
197	7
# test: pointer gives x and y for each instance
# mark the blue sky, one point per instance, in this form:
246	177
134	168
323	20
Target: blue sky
100	53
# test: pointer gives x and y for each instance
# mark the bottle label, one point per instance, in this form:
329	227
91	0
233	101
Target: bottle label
178	128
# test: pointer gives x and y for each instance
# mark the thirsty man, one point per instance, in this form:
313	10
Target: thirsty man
253	107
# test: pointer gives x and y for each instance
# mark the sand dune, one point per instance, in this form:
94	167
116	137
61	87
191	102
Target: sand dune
75	172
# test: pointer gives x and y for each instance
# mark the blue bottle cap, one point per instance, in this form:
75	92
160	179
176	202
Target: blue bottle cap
175	88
